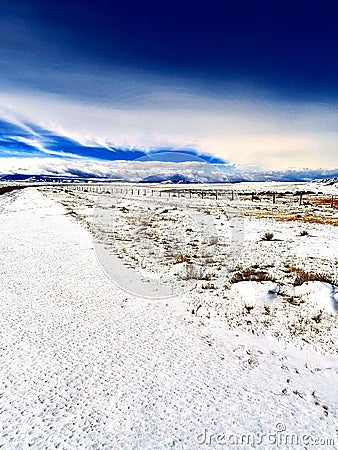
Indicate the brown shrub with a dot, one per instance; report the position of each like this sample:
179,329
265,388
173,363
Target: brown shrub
301,276
251,275
181,258
267,236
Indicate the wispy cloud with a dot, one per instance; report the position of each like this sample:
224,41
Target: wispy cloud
258,132
28,139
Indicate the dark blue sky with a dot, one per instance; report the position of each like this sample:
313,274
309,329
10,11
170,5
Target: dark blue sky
287,46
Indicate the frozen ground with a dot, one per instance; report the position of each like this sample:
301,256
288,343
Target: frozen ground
214,252
86,365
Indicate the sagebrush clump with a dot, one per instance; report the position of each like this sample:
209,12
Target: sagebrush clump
251,274
268,236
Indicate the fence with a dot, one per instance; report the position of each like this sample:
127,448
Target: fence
304,198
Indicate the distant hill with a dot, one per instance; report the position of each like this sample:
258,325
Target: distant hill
327,181
26,178
174,178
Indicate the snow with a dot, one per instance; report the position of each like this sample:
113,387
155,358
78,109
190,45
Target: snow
159,246
85,364
323,296
253,292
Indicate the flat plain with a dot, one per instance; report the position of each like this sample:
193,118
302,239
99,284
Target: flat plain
153,316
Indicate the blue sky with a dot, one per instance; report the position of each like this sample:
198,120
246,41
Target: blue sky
248,83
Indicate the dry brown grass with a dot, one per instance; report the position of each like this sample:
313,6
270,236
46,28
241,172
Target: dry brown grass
301,276
153,234
324,220
251,274
196,273
324,202
213,240
295,217
181,258
145,222
320,213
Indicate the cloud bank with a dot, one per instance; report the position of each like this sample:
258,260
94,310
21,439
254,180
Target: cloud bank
27,148
135,171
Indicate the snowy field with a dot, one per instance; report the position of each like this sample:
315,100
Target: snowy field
159,242
148,321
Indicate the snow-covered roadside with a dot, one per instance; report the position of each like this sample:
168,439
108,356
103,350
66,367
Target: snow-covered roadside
85,365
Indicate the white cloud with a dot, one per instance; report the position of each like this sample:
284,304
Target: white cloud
256,130
128,170
139,170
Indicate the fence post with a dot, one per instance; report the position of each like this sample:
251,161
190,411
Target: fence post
332,201
274,198
300,199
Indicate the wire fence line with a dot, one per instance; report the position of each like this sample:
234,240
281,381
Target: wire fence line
302,198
